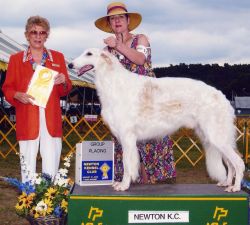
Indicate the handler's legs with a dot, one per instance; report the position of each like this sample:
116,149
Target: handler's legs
29,150
50,148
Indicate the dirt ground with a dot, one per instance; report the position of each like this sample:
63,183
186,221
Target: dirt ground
8,194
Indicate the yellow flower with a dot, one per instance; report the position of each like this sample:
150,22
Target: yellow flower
20,205
51,192
64,205
29,200
34,213
25,200
22,196
48,202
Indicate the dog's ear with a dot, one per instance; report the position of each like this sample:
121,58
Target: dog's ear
106,57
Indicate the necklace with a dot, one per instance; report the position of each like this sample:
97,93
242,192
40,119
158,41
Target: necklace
120,56
34,64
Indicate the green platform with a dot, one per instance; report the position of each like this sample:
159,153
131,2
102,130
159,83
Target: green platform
182,204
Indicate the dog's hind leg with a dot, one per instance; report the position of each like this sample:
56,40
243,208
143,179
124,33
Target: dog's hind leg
230,174
131,162
214,162
221,147
216,168
239,167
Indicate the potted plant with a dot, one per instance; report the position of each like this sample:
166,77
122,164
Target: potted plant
43,199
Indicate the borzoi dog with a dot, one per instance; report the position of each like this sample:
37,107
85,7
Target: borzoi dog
140,108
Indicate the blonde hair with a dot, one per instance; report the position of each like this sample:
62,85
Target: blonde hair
38,21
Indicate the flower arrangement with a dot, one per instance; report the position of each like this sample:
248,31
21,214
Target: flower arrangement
42,195
245,183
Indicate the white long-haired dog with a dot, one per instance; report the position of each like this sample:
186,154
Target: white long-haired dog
139,108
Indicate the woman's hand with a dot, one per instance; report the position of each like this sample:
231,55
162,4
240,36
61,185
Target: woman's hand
60,79
24,98
111,41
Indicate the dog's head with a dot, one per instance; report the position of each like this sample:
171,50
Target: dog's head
89,60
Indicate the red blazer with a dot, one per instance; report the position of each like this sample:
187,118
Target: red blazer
18,76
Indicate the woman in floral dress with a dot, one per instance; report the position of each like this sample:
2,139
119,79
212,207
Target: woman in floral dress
134,53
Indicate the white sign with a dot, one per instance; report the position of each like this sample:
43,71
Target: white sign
158,217
13,118
73,119
94,163
90,118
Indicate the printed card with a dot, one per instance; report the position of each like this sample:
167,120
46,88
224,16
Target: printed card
41,85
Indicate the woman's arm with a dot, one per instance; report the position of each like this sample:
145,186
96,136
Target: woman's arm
133,55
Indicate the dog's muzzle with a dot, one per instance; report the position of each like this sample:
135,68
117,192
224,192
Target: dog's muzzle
82,70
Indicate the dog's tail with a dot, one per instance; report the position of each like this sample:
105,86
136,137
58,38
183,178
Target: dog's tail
214,163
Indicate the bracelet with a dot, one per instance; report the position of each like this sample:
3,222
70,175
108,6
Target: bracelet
143,50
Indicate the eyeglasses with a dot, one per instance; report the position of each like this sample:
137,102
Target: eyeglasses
40,33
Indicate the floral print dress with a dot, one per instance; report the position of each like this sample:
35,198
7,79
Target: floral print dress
156,155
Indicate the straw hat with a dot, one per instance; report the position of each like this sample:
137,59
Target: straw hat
117,8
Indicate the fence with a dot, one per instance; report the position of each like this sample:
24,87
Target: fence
185,143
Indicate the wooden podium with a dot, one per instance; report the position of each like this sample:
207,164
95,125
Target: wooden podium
182,204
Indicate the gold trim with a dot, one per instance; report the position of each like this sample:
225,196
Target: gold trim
82,84
3,66
160,198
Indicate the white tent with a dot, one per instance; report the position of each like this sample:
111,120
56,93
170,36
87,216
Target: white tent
8,46
242,105
242,102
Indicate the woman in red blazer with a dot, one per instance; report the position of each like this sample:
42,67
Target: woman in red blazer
36,125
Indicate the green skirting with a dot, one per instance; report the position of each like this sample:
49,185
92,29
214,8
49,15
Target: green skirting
182,204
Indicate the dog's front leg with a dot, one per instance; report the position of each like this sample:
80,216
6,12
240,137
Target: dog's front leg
131,163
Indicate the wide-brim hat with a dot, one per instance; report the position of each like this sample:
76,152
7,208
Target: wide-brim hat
118,8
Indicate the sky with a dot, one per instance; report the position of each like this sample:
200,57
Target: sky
179,31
